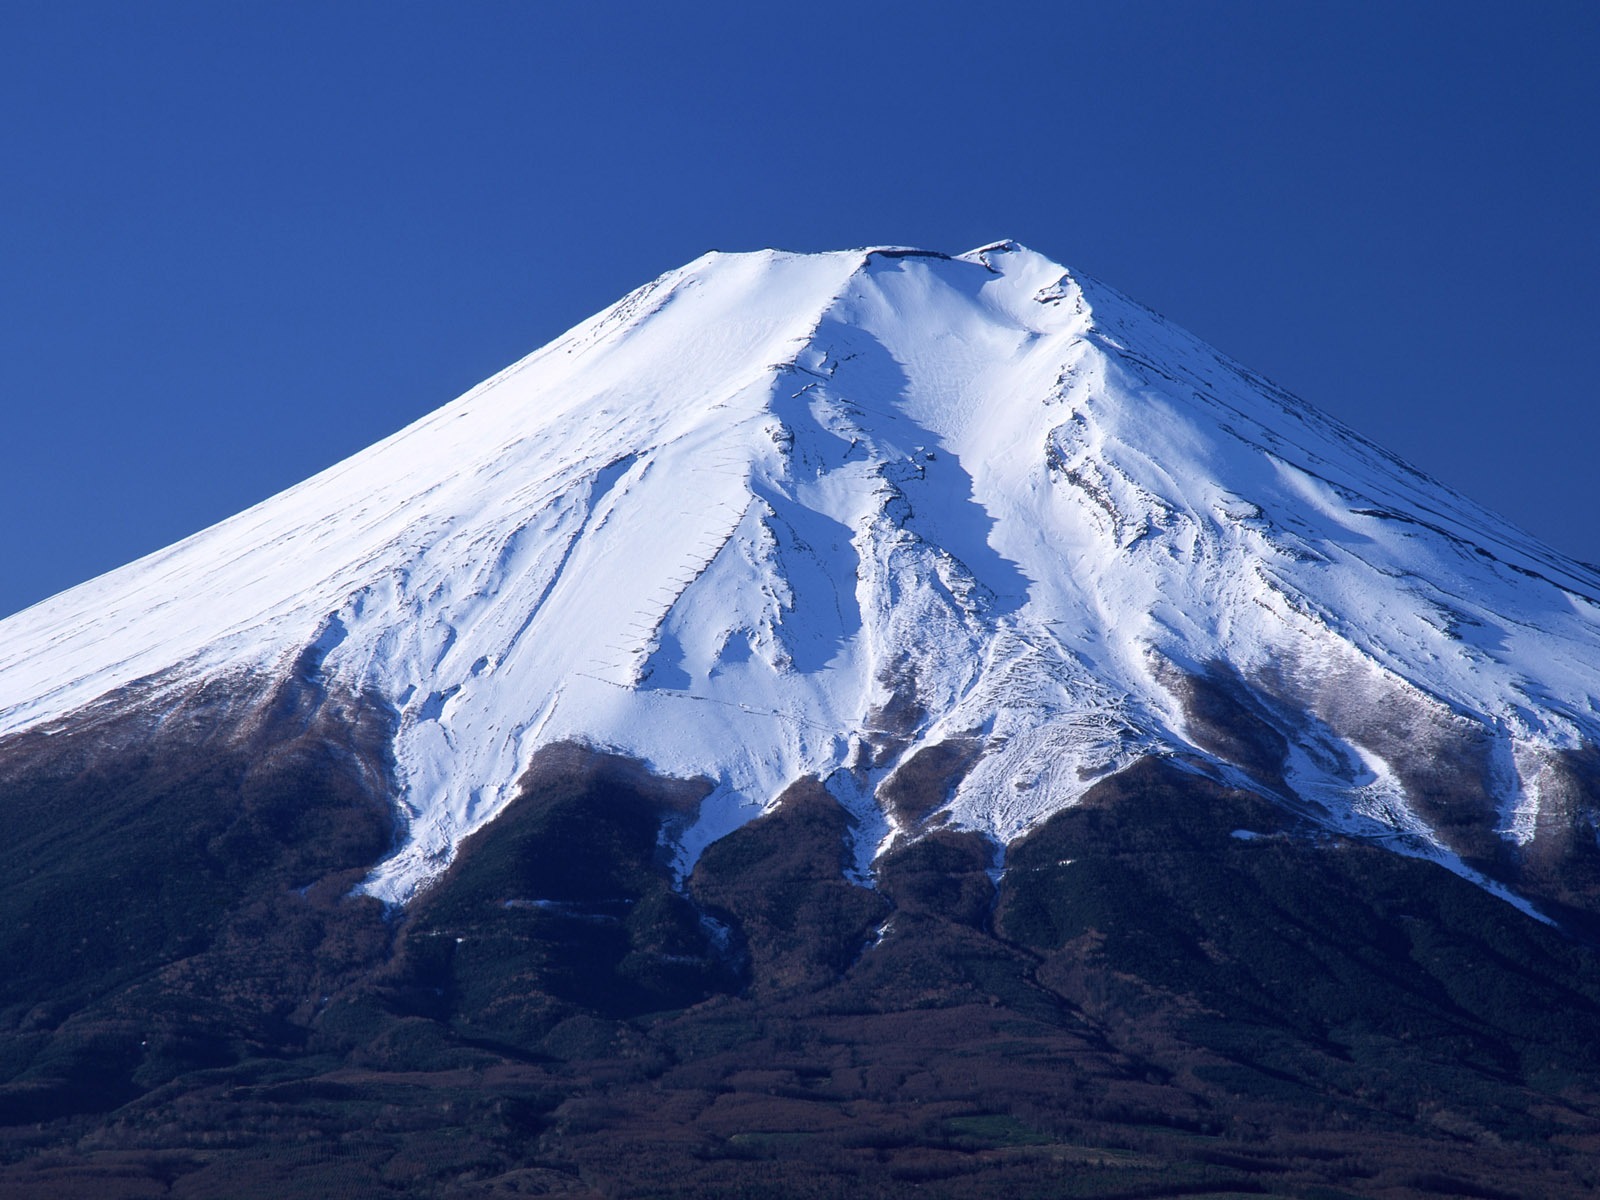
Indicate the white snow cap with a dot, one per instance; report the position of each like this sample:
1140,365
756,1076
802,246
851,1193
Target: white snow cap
776,515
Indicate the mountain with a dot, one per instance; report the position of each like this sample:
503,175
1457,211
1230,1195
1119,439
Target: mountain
881,678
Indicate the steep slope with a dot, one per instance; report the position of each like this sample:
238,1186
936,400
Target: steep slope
956,536
836,724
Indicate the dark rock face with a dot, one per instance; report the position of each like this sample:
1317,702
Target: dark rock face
1176,987
1561,865
927,780
1229,718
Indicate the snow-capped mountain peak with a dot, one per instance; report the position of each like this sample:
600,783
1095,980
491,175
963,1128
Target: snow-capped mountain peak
878,516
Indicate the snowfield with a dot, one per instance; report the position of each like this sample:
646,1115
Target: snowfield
776,515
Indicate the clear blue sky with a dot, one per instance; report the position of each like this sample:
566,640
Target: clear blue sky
243,240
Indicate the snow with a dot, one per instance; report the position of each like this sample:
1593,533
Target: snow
730,523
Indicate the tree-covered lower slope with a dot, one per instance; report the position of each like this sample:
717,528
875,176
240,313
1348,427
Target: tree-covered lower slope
1150,1003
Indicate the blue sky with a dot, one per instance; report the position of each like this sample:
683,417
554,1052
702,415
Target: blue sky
241,241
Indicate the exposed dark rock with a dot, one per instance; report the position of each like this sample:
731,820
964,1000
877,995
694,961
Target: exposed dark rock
1560,866
1231,720
1445,761
927,780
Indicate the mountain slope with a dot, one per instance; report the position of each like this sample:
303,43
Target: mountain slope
831,724
888,516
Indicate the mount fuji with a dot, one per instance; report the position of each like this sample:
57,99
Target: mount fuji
951,593
880,514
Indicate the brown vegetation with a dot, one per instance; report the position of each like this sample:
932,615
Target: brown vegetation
1146,1006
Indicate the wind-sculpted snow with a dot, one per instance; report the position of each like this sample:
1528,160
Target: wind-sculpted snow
776,516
